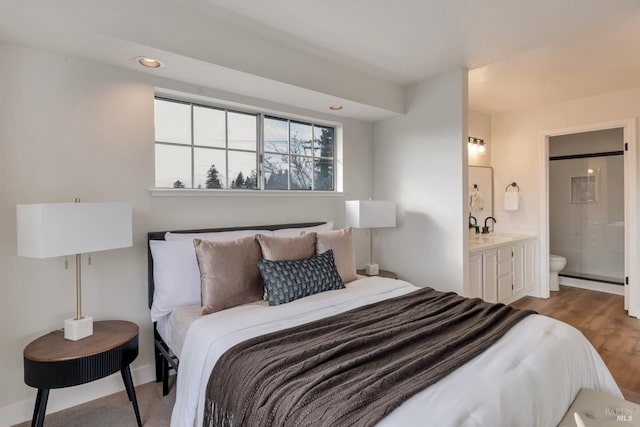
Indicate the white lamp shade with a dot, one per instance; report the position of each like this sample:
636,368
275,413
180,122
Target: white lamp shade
58,229
370,213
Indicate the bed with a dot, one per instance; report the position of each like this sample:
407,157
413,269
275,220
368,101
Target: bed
528,377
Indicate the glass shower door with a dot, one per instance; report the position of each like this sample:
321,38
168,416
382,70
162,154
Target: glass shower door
586,212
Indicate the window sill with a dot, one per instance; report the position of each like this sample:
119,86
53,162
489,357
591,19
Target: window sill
199,192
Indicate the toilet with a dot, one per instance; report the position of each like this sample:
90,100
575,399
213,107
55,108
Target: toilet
556,264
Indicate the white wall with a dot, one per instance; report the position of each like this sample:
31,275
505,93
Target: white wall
69,128
517,156
420,162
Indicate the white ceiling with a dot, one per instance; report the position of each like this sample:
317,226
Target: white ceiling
359,53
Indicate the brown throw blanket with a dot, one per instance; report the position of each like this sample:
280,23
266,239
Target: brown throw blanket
353,368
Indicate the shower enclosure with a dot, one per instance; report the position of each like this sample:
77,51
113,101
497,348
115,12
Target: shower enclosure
586,204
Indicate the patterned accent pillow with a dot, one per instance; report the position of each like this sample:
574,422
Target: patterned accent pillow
286,281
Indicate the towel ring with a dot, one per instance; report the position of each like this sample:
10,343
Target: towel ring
513,184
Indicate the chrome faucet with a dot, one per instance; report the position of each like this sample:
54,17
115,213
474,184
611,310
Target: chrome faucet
485,229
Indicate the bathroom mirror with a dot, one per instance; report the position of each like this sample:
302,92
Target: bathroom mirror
481,192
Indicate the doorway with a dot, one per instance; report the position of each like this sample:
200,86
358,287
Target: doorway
586,208
586,189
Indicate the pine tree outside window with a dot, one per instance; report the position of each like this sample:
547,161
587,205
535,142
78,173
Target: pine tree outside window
204,147
297,155
199,146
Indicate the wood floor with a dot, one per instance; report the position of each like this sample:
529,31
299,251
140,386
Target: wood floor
602,319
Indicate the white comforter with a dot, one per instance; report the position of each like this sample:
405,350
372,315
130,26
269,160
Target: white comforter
528,378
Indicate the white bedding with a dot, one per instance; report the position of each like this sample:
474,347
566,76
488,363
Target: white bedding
164,327
182,318
528,378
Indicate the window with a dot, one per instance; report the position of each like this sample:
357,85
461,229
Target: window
199,146
297,156
205,147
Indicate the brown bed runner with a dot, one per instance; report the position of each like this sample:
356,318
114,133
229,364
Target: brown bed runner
353,368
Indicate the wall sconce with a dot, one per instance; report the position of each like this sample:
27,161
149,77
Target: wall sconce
476,145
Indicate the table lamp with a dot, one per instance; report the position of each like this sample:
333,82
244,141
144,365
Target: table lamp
370,214
61,229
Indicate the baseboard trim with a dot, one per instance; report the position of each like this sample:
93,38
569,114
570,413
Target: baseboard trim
591,285
64,398
635,312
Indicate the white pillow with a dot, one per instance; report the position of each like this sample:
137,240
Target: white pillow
293,232
176,276
215,236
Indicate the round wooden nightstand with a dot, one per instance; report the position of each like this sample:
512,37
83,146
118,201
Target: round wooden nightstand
381,273
52,361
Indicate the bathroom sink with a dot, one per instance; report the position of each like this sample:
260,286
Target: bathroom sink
478,241
488,240
495,239
507,236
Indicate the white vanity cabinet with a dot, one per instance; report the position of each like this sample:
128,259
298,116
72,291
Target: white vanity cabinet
529,264
518,267
475,276
501,269
490,276
523,266
505,273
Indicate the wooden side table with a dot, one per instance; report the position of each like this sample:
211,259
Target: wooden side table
51,361
381,273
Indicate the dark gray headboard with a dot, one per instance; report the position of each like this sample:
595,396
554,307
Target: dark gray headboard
159,235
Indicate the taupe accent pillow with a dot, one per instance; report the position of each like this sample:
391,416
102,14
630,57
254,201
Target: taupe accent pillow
341,242
229,273
275,248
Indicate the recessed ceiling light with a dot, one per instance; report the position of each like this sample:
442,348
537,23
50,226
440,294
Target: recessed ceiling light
336,107
145,61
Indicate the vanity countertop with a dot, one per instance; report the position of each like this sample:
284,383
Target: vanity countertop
481,242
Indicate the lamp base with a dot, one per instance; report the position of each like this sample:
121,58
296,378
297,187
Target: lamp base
372,269
76,329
